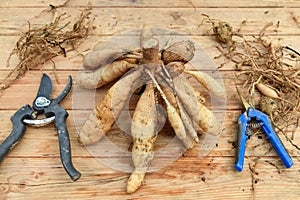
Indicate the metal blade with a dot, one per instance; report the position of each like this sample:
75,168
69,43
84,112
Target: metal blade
65,91
245,103
45,89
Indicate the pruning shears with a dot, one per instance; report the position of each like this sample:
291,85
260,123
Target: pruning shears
50,107
245,123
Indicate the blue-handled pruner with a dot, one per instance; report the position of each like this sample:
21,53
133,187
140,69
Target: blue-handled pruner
244,132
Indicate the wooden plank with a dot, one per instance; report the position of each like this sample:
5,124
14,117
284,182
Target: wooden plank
45,141
115,20
188,178
84,99
33,169
158,4
73,61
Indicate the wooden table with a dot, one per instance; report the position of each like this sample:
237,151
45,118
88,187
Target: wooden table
33,169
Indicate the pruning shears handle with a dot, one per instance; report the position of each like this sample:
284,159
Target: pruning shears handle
18,130
263,120
241,144
272,137
64,140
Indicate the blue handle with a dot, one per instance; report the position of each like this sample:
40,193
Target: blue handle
242,139
272,136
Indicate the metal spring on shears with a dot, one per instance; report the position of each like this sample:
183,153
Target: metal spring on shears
255,125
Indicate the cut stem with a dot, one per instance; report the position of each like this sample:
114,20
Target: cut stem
173,116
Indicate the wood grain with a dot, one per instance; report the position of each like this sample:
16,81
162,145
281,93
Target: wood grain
33,169
187,20
157,3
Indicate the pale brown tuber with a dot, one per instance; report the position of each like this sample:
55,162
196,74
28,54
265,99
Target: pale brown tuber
103,75
143,131
108,110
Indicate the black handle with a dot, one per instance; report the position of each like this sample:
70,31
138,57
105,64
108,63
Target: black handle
241,143
17,132
64,140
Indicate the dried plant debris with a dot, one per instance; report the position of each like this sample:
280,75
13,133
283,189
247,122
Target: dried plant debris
222,30
275,67
267,105
39,45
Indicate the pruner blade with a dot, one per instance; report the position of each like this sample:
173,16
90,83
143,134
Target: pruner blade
42,98
245,103
65,91
45,88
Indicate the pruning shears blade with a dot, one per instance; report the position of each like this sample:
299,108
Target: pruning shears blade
45,88
65,91
42,99
245,103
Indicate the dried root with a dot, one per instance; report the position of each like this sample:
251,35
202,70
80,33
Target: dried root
163,73
208,82
268,105
198,112
108,110
259,57
143,131
191,135
221,29
96,59
267,91
103,75
182,51
39,45
100,57
91,132
173,115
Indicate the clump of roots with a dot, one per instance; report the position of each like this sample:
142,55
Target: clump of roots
39,45
275,67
